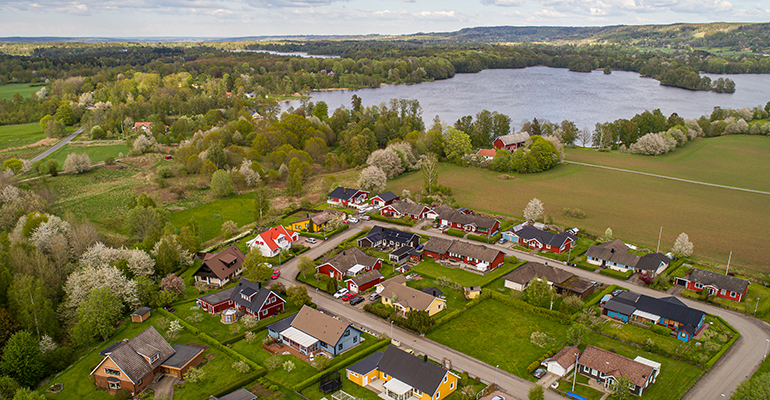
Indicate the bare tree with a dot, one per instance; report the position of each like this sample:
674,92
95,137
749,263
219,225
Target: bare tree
429,167
81,237
585,136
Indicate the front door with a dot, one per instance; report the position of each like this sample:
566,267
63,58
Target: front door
366,380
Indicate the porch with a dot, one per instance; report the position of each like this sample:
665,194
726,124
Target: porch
392,390
281,348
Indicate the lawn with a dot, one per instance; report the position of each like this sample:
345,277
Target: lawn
24,89
95,153
580,389
636,206
210,216
430,268
455,299
20,135
581,247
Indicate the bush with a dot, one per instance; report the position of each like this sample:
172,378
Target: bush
616,274
122,394
661,330
77,163
574,213
221,184
109,161
455,232
165,171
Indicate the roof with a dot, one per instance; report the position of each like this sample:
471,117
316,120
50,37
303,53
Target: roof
652,261
222,264
299,337
343,193
183,354
141,311
619,307
218,297
665,307
566,356
347,259
240,394
378,233
486,152
407,296
518,137
281,325
605,250
438,245
721,281
529,232
270,236
399,279
319,325
366,365
526,272
407,207
367,277
616,365
109,348
458,217
401,251
325,215
258,294
387,196
433,291
576,284
129,355
412,370
477,251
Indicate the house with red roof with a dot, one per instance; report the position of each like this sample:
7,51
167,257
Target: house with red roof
272,241
143,126
487,153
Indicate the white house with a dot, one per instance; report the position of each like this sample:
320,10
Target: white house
562,362
273,240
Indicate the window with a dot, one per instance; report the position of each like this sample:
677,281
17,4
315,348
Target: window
355,339
139,383
698,286
723,291
155,357
347,333
445,378
451,386
264,312
110,371
339,347
733,294
353,373
114,385
438,395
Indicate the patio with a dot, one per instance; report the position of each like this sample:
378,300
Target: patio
397,389
280,348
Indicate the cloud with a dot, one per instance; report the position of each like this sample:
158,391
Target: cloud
503,3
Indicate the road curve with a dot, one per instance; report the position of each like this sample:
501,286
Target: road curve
736,365
58,145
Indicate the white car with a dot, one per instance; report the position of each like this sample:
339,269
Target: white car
366,218
340,293
352,220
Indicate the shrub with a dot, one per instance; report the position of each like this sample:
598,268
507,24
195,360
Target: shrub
76,163
661,330
574,213
221,184
122,394
540,339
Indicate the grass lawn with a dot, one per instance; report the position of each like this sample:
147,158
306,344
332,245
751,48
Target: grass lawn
455,300
95,153
20,135
582,390
581,247
351,388
210,216
24,89
616,274
428,267
612,198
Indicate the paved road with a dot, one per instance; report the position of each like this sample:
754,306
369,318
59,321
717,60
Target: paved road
735,366
57,146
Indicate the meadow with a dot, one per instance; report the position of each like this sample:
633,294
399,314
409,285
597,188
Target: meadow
24,89
20,135
97,153
634,206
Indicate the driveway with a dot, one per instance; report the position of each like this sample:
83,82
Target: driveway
59,145
164,388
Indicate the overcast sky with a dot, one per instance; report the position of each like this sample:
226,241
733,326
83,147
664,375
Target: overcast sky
213,18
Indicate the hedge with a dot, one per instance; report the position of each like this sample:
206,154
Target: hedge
710,363
351,360
492,239
616,274
396,221
353,238
245,380
585,266
536,364
328,234
594,301
660,330
456,232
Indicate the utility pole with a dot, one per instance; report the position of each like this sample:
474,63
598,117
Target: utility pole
574,373
657,249
728,262
755,307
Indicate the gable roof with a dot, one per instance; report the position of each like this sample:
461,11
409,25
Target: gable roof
721,281
576,284
343,193
407,296
412,370
367,277
379,233
438,245
407,207
651,261
130,356
664,307
183,354
518,137
616,365
347,259
141,311
526,272
258,294
605,250
486,152
529,232
319,325
218,297
366,365
270,236
387,196
477,251
458,217
566,356
240,394
223,264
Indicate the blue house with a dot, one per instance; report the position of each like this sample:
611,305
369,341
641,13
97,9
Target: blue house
670,312
311,332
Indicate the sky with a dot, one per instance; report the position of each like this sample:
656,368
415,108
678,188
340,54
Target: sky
235,18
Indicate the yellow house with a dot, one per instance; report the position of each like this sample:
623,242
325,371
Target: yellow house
315,222
399,375
403,298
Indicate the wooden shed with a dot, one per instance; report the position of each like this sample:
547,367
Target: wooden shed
141,314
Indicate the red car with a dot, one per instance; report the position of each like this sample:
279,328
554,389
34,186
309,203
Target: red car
276,274
348,296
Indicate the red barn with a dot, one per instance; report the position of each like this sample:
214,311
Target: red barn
511,142
724,286
350,262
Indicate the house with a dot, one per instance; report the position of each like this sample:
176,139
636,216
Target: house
255,300
403,298
217,302
310,331
346,197
724,286
481,257
379,236
465,220
272,241
670,312
400,255
575,286
315,222
351,262
615,255
403,376
405,208
133,364
520,277
240,394
471,292
607,367
534,238
141,314
488,154
144,127
511,142
384,199
562,362
219,268
360,283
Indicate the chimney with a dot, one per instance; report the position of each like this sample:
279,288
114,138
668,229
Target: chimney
259,285
612,251
425,358
125,340
343,253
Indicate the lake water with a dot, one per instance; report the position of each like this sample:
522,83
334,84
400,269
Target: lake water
555,94
280,53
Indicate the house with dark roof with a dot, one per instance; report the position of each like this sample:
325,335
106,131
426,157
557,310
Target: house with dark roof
480,257
395,293
215,303
403,376
311,331
465,220
724,286
350,262
219,268
382,200
380,236
669,311
519,278
405,208
364,281
255,300
133,364
512,141
272,241
342,196
529,236
607,367
616,255
562,362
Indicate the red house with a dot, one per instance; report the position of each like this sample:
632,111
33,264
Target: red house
511,142
352,262
384,199
528,235
364,281
465,220
215,303
255,300
724,286
481,257
401,208
346,197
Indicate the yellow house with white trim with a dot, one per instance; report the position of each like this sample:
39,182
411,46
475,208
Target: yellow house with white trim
399,375
403,298
314,222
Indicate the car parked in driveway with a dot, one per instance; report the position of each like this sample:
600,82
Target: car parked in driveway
347,296
374,296
276,274
356,300
352,220
502,240
311,240
539,373
341,293
366,218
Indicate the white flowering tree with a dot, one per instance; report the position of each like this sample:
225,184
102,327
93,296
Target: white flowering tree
76,163
682,246
372,179
388,161
252,177
81,282
139,262
534,210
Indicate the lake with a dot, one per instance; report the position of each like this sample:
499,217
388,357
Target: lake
555,94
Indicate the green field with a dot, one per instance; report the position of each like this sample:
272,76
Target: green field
634,206
95,153
20,135
98,195
430,268
210,216
24,89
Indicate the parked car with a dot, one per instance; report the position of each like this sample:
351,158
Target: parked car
311,240
374,296
352,220
366,218
539,373
502,240
498,398
276,274
341,293
348,296
420,247
356,300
